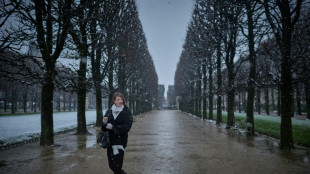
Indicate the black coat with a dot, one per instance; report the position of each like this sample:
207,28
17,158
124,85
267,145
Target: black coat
118,135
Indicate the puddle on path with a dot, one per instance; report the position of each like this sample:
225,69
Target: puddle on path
42,158
164,142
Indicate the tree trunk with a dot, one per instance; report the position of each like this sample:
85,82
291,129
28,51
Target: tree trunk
292,102
307,91
131,98
13,100
70,101
298,99
35,106
64,101
250,104
279,100
81,92
196,100
32,104
25,97
122,76
13,107
44,38
272,99
239,102
47,126
74,104
258,101
244,106
230,100
80,39
286,141
139,107
218,73
58,103
219,109
131,104
283,34
95,58
230,43
110,84
204,107
204,97
5,103
210,68
99,106
252,73
192,100
198,94
223,104
134,111
267,100
230,109
199,98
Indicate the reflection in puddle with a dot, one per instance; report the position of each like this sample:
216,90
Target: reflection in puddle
306,160
48,151
91,140
2,163
271,145
81,142
86,141
67,167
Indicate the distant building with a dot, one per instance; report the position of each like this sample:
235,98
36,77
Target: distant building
161,96
171,97
161,91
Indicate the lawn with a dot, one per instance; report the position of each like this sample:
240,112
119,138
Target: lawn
270,125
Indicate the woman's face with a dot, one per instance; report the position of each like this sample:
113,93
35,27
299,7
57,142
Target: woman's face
118,101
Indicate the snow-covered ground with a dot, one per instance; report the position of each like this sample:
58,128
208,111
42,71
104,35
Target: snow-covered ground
276,119
23,127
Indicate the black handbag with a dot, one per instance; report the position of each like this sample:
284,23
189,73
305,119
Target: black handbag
103,139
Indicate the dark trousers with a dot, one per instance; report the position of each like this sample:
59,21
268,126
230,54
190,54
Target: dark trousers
115,161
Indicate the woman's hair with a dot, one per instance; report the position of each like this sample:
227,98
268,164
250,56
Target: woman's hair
118,94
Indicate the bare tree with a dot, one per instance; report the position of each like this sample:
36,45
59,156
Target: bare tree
231,15
79,32
218,40
254,36
282,16
103,31
300,54
7,10
51,29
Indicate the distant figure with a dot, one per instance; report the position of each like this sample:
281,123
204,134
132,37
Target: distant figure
117,121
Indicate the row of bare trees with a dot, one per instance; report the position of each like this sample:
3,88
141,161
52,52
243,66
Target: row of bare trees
18,98
78,46
234,46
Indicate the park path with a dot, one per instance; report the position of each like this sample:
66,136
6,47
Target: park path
161,142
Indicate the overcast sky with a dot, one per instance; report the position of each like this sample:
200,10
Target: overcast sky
165,23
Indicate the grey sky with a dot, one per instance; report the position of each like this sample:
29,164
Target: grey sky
165,23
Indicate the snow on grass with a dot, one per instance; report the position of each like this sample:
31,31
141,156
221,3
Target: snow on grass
271,125
276,119
25,127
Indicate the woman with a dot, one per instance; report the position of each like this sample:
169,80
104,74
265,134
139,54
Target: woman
117,121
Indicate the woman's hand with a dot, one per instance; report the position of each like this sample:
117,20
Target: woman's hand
105,120
109,126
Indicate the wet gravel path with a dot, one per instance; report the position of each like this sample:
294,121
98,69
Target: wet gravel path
161,142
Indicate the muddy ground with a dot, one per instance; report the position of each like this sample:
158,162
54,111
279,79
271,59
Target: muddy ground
161,142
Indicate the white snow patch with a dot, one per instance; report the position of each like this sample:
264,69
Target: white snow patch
26,127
